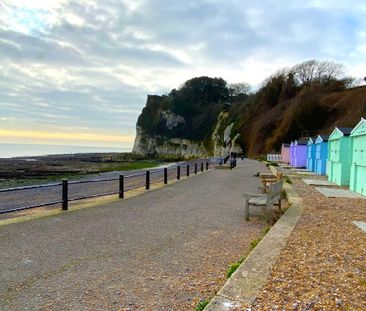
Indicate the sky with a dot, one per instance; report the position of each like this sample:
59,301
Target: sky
78,72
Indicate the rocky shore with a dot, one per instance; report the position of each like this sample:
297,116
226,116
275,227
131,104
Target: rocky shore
15,171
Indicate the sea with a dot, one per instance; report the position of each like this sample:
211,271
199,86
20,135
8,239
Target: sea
10,150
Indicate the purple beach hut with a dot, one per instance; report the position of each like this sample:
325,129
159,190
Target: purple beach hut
300,153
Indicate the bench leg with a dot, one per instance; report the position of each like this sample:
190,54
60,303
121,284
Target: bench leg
279,204
246,205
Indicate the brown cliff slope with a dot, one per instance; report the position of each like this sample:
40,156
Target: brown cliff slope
311,111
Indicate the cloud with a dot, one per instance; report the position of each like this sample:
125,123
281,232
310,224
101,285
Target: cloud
90,64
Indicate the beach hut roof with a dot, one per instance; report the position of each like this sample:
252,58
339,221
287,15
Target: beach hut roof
301,142
311,140
346,131
323,138
363,121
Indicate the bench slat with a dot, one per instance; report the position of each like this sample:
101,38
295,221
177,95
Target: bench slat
272,197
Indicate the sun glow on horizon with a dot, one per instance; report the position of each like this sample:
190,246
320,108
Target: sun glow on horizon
41,137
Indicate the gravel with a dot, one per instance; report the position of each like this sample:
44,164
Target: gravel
323,266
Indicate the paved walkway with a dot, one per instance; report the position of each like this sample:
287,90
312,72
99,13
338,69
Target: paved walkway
162,250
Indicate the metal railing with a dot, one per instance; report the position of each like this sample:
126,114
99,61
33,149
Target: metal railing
28,197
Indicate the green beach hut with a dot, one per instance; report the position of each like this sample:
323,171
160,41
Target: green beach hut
340,156
358,168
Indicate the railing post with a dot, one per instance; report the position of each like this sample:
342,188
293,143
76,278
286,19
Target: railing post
246,207
201,167
165,175
178,172
187,170
195,168
147,185
207,165
121,186
65,195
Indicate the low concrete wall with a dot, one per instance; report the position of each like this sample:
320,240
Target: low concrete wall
249,279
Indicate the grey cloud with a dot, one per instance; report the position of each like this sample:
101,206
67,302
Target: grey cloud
23,48
116,42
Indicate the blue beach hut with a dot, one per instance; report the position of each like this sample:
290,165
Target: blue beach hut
321,154
310,157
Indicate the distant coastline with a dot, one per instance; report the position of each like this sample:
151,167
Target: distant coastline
12,150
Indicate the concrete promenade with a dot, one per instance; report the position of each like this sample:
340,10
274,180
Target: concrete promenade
158,251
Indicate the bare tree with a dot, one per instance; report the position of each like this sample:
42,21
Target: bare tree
236,89
317,71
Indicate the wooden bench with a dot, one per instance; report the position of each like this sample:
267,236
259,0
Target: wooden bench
268,178
273,196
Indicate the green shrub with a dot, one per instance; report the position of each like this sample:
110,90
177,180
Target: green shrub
201,305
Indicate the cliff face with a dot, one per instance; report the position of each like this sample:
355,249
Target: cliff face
167,148
187,123
201,119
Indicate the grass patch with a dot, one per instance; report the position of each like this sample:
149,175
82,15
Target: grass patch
262,158
201,305
265,230
288,180
233,267
128,166
284,194
256,241
22,182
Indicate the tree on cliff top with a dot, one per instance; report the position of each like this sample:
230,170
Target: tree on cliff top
240,88
197,94
313,71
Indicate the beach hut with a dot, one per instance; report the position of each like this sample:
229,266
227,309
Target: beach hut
300,152
292,153
285,153
310,156
321,154
339,156
358,167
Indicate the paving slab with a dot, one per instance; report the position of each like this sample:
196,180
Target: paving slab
318,182
305,173
339,193
361,225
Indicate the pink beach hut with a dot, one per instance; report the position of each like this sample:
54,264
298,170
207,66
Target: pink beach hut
292,145
285,153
